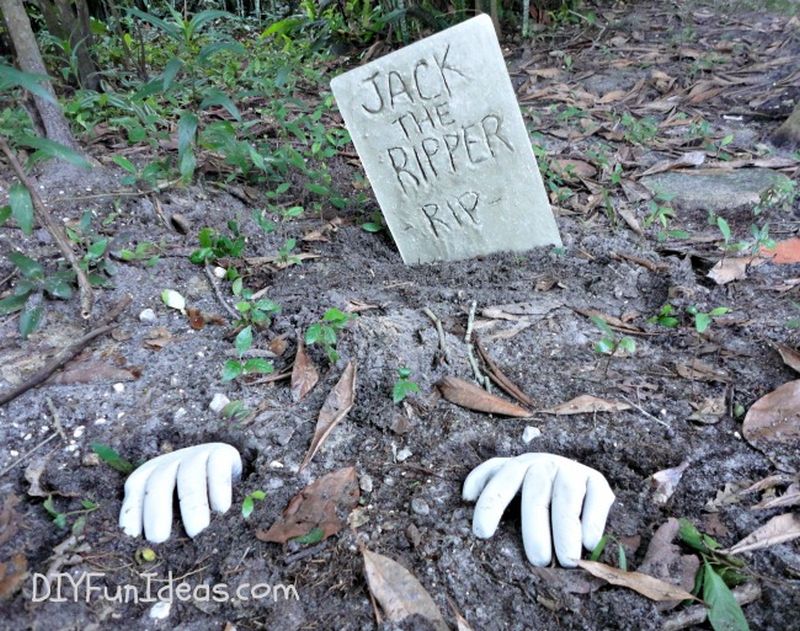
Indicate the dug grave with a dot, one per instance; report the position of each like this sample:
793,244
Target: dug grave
439,131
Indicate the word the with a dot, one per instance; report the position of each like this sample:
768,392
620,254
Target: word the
89,586
427,81
470,145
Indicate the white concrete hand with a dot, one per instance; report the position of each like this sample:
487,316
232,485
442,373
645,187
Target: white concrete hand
203,473
556,491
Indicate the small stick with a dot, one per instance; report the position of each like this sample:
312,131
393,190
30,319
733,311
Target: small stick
218,293
67,353
697,614
645,412
55,229
479,376
440,331
28,454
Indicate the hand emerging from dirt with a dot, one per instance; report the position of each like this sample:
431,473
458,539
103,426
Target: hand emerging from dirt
204,474
555,490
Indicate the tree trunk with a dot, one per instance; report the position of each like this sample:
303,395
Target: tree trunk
67,23
789,132
29,59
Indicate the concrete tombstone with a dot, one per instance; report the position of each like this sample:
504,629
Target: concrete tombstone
439,131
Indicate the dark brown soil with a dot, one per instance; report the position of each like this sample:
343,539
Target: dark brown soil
490,582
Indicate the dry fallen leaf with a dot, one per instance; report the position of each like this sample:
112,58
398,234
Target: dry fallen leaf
500,378
335,408
586,404
304,372
698,370
646,585
665,560
398,591
92,371
690,159
12,575
775,416
709,411
777,530
323,504
785,252
666,481
790,498
730,269
9,518
468,395
157,338
790,356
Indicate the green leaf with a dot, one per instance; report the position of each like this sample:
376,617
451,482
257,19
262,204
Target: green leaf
59,286
718,311
231,369
371,226
402,389
202,18
206,237
628,344
33,83
244,340
258,365
690,535
313,334
404,373
88,504
724,228
112,458
209,50
604,346
52,149
247,507
171,70
27,266
168,29
622,559
13,303
267,305
5,213
702,321
30,317
97,249
21,207
724,613
601,324
60,520
126,164
598,549
258,495
315,535
187,130
336,317
217,97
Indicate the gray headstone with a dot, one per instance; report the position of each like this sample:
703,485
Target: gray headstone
439,131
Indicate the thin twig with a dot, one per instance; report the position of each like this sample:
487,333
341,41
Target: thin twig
218,293
440,331
645,412
28,454
697,614
54,228
67,353
479,376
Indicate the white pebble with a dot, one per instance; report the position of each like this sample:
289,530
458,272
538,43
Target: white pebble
160,611
404,454
366,484
220,272
179,414
13,453
218,402
119,387
78,431
529,433
100,421
276,464
147,315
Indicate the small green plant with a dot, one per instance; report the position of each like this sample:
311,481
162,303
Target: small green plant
611,342
235,411
249,502
326,330
214,245
257,312
403,387
639,131
660,210
375,223
780,195
28,294
60,519
234,368
111,457
143,251
718,572
622,559
94,262
703,319
666,317
285,256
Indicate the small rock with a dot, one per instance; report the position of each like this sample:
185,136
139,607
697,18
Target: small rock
404,454
218,402
274,483
119,388
160,611
420,506
365,482
220,272
413,535
275,464
147,315
179,414
78,431
90,460
529,433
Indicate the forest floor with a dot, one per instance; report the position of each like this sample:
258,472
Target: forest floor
648,84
